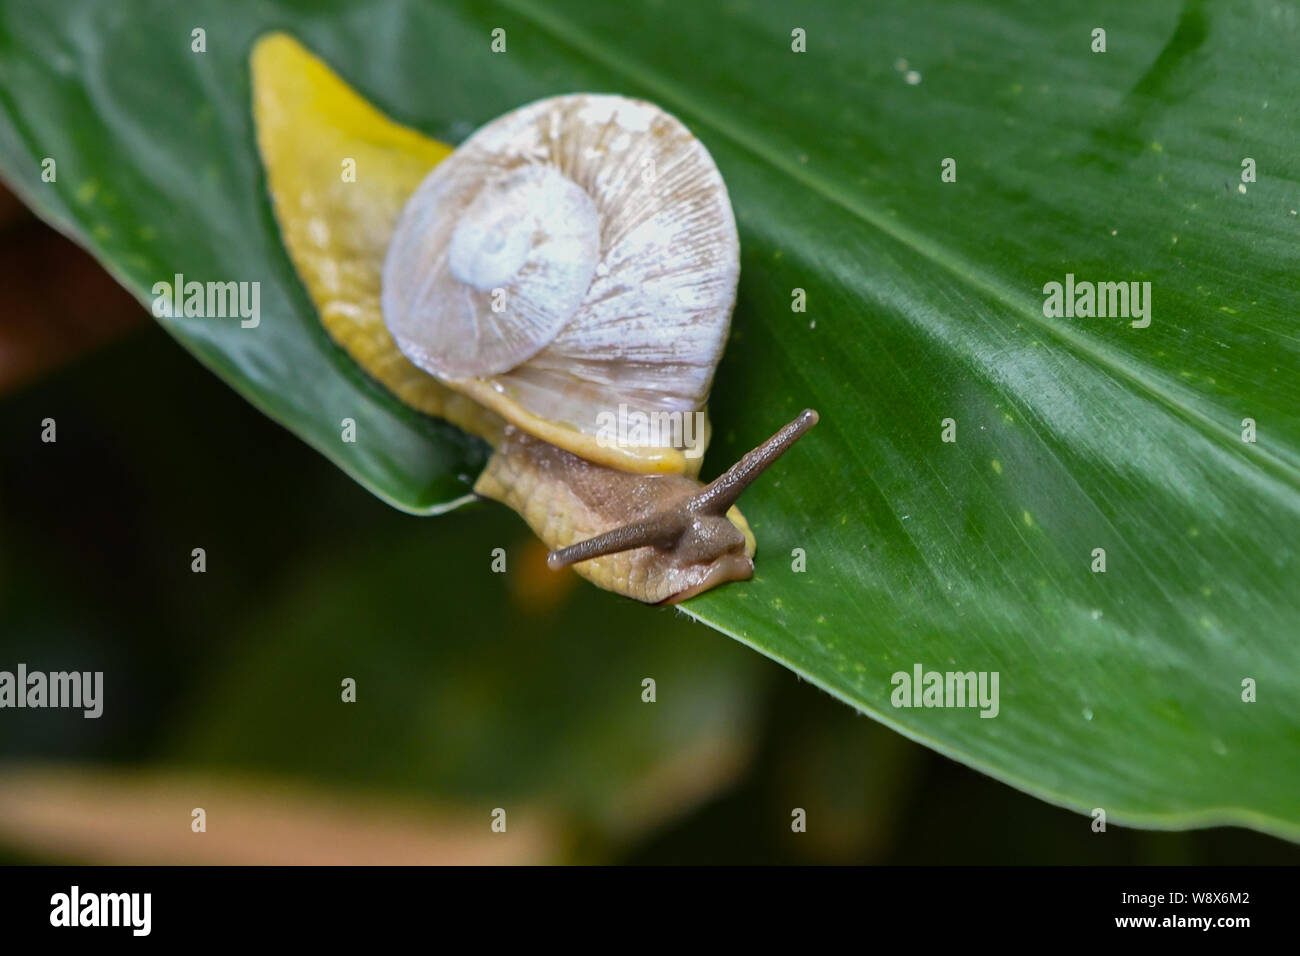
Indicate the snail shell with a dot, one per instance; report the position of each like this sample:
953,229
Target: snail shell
573,256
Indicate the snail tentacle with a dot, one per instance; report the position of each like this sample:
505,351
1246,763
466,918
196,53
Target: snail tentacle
660,530
721,493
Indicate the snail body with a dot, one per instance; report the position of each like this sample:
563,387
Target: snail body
577,256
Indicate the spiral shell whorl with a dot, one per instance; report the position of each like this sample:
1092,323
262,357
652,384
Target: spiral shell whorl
502,277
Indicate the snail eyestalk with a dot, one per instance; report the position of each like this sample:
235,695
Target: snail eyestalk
696,527
721,493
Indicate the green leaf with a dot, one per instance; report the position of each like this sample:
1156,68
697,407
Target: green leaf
1119,690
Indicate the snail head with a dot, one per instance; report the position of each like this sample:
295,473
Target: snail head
694,531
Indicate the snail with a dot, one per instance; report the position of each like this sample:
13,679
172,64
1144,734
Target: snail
572,259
